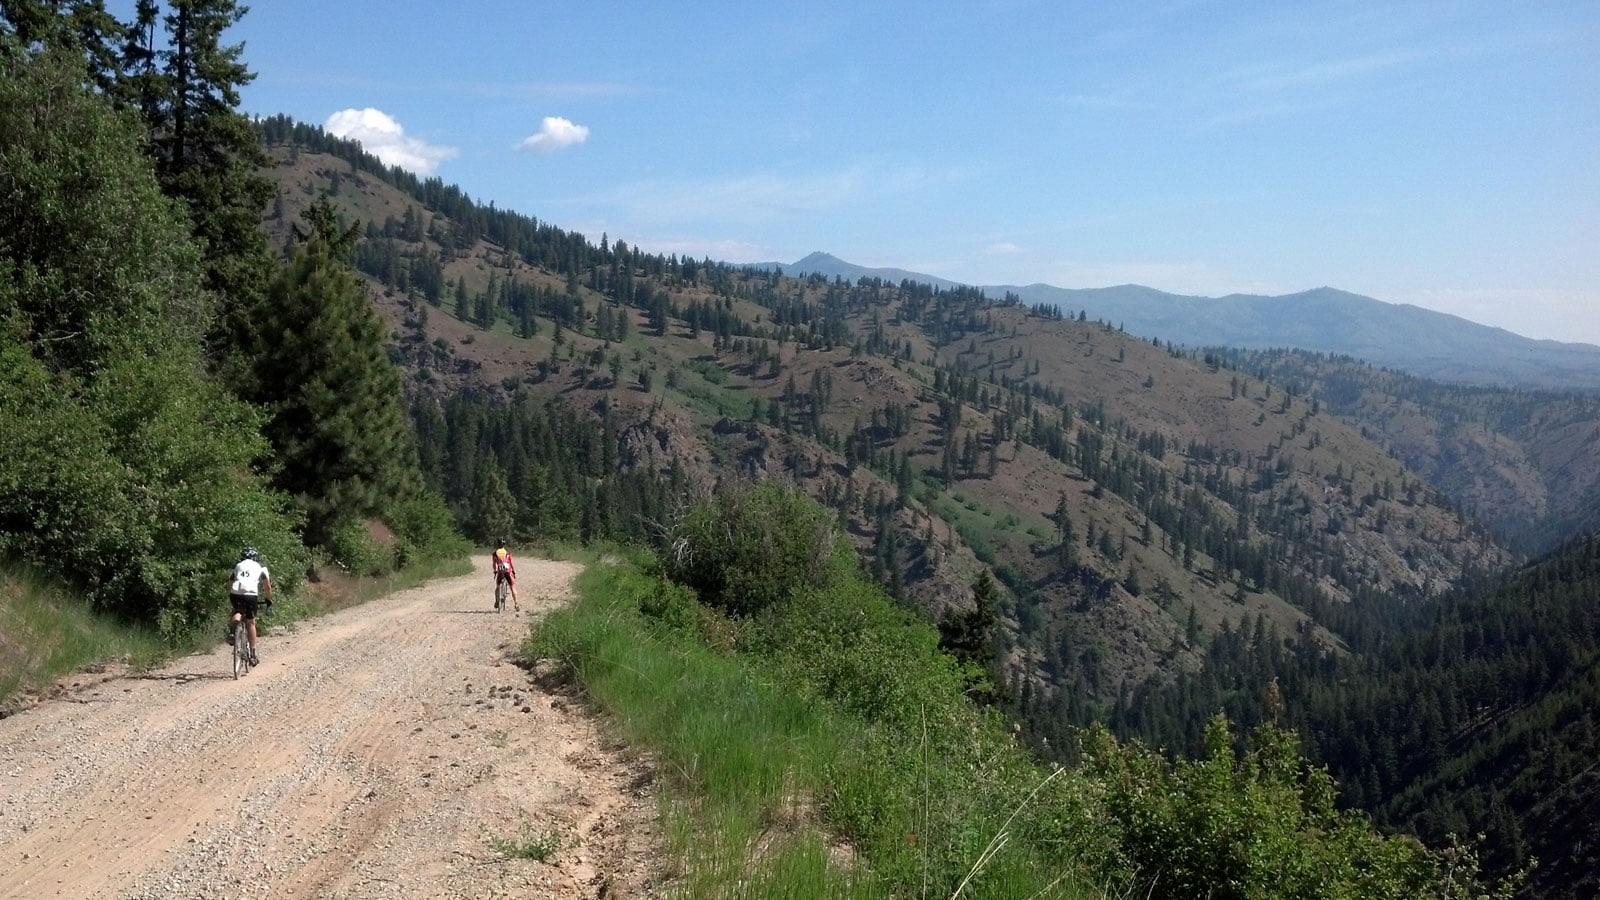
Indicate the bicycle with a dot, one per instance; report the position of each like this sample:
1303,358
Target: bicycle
241,649
243,658
502,590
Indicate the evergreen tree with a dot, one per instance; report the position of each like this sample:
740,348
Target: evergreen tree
319,366
967,635
206,152
493,507
80,28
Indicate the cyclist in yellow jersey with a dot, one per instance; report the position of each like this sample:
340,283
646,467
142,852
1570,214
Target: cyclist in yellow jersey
505,568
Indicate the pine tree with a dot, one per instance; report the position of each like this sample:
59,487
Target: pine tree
81,28
493,507
318,364
206,152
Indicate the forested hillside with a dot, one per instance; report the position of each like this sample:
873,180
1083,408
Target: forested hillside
154,417
1474,714
1150,516
213,334
1503,688
1425,343
1524,461
1131,498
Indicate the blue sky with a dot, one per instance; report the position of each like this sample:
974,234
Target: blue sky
1443,154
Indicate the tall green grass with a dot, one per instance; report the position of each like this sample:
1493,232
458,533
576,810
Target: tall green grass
776,789
46,634
735,749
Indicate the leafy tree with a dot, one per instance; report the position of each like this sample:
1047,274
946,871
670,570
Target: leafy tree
122,466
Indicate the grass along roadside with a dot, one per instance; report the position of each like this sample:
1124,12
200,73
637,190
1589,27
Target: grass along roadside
729,746
46,634
776,790
819,744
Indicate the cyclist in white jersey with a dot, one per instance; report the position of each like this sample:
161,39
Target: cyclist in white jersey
244,589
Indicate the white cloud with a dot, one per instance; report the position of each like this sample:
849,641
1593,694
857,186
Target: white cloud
379,134
554,134
1003,248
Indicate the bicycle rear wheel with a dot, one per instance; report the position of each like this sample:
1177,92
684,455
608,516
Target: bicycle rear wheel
241,650
501,588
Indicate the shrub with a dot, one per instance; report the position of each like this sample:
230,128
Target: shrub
1263,824
352,546
751,547
425,528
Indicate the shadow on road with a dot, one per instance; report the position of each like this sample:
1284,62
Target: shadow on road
184,677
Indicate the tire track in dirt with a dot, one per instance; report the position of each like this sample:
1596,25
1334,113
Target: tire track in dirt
383,751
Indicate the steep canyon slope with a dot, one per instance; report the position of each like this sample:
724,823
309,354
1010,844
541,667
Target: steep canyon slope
1132,498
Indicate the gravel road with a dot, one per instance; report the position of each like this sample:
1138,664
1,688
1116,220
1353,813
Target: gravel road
389,750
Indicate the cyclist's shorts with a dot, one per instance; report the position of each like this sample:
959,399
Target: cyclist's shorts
244,604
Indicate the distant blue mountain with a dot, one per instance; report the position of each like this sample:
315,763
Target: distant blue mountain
1400,336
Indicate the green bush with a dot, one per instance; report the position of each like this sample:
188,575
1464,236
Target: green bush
1260,825
426,529
139,492
752,547
352,547
846,643
123,467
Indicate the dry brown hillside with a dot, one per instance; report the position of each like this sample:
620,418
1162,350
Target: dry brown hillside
949,429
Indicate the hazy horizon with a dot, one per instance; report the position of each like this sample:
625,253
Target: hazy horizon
1440,155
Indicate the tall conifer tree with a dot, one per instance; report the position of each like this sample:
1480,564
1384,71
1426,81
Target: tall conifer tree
319,365
206,152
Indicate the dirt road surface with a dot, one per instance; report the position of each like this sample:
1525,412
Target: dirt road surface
389,750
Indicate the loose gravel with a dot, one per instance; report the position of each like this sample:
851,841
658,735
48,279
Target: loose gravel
394,749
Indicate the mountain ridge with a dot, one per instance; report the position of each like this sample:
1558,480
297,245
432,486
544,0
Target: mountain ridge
1149,513
981,427
1401,336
